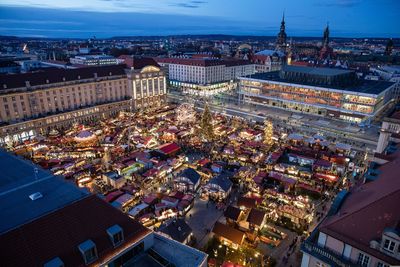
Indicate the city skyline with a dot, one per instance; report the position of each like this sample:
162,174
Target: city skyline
74,19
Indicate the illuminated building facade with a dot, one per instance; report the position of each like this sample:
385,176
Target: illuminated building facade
205,76
94,60
32,103
146,81
327,92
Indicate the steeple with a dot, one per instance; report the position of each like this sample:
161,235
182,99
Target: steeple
325,41
281,38
326,51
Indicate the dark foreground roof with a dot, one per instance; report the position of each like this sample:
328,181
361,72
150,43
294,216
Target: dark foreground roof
55,75
58,234
18,181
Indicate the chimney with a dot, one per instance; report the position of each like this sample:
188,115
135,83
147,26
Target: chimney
27,84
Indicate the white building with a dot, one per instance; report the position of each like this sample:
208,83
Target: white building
391,74
205,76
94,60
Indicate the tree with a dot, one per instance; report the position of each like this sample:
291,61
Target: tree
207,129
268,132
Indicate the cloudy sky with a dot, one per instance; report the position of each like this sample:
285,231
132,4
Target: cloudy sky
107,18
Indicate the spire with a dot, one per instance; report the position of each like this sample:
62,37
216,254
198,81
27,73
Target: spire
281,40
325,41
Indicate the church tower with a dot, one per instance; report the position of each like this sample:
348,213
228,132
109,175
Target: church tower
326,51
281,39
325,41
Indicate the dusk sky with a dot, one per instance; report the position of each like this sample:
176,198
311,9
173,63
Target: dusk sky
107,18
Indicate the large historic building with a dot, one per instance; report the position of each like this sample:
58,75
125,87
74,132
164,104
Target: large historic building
37,101
333,93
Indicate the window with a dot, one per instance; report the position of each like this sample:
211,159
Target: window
116,234
320,264
56,262
88,251
381,264
363,259
389,245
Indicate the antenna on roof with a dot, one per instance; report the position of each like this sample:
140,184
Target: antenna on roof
35,172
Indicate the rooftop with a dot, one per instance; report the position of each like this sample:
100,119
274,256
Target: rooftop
59,233
19,182
138,62
177,229
316,71
203,62
232,234
55,75
368,210
361,86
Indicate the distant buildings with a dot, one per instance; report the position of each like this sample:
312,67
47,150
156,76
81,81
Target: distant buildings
47,221
94,60
323,91
205,76
268,60
362,227
7,66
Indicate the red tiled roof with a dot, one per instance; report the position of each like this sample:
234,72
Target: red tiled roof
59,233
138,62
169,148
368,210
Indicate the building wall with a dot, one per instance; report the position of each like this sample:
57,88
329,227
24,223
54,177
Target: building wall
33,102
346,105
147,88
339,249
32,110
